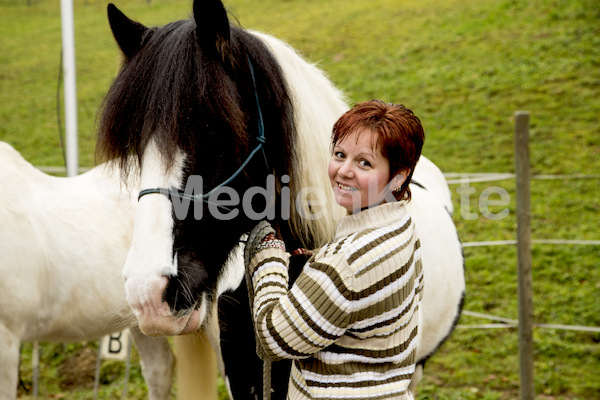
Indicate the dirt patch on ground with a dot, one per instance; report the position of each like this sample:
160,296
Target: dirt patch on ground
79,370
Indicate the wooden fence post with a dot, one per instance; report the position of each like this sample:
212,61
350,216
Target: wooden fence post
527,391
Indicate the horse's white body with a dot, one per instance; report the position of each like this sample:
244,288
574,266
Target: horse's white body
317,105
63,243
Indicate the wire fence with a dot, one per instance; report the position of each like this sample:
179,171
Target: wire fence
501,322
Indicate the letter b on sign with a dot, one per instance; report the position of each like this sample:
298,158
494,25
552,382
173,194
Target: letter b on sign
115,346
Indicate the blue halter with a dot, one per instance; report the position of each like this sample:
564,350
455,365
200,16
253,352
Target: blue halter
261,141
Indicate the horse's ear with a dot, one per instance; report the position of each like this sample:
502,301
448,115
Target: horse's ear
127,33
212,24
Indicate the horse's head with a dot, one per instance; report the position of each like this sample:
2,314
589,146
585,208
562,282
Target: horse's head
237,117
188,107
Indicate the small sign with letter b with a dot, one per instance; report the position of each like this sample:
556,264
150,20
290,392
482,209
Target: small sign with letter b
115,345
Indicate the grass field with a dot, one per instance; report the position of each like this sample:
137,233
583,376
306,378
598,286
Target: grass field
464,67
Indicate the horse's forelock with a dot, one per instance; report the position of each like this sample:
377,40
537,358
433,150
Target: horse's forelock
163,93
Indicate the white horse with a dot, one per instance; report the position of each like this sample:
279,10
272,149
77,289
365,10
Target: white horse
203,106
63,243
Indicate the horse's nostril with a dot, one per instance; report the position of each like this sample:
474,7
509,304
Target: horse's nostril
180,295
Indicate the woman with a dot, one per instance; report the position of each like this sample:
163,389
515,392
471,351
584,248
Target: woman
350,320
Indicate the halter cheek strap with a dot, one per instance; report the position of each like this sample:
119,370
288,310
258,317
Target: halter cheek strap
204,197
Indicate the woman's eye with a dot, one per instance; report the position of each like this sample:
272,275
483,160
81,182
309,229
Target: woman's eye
339,154
364,163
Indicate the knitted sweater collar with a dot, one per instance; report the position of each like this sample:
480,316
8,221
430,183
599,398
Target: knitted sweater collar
375,217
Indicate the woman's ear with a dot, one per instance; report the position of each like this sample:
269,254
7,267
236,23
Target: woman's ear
399,179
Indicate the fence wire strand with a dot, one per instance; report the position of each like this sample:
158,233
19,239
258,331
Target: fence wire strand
513,323
456,178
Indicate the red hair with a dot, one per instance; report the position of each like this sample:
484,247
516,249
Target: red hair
400,135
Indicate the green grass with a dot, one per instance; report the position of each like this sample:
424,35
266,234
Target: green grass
464,67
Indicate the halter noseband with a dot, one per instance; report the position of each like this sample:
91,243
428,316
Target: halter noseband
204,197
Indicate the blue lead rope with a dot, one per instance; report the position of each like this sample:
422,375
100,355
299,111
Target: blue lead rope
261,125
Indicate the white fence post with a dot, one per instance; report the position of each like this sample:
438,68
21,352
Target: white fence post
68,53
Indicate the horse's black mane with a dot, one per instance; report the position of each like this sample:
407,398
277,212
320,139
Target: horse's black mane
178,93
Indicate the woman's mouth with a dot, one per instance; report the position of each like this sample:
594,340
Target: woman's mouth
345,187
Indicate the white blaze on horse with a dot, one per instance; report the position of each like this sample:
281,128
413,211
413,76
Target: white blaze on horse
63,243
226,126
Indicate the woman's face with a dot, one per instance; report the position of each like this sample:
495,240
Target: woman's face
359,173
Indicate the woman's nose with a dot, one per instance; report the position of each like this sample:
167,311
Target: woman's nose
346,170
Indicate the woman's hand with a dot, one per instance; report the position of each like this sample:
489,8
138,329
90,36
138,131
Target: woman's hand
261,237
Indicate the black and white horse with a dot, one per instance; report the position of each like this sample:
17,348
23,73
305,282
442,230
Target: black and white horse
63,243
240,119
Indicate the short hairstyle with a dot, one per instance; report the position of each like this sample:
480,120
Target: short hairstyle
400,135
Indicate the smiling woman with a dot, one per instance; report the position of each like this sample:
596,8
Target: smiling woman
394,145
350,320
359,173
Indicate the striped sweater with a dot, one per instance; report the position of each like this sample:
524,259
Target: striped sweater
350,319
